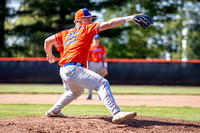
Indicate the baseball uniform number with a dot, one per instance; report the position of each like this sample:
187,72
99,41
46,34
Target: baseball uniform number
71,39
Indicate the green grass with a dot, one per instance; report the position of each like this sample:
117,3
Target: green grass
17,110
156,90
31,88
116,89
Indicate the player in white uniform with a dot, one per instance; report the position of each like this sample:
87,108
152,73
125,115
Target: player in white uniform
96,58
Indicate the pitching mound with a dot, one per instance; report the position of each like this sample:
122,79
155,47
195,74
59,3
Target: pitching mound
100,124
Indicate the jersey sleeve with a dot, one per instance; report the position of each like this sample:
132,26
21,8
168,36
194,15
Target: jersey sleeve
60,48
93,28
58,37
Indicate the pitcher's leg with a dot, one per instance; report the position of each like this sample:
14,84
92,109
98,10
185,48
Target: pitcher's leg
90,79
106,96
67,98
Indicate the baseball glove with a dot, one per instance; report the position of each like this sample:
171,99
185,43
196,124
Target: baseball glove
103,72
143,20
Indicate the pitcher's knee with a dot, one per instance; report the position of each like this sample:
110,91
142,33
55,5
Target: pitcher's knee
107,82
103,84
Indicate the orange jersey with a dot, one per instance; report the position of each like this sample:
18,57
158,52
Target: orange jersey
96,53
60,49
76,43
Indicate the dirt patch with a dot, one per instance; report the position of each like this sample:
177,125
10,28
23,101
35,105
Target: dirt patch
100,124
121,100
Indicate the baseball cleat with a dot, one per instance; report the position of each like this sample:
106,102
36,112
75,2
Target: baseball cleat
52,114
120,116
89,97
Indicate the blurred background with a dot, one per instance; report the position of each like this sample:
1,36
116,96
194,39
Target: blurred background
25,24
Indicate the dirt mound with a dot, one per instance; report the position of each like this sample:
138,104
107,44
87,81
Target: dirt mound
100,124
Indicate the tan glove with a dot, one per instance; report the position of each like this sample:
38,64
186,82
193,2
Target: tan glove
103,72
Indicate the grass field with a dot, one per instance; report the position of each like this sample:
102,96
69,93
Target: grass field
17,110
116,89
183,113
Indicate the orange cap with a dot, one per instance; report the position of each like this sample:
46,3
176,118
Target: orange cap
83,13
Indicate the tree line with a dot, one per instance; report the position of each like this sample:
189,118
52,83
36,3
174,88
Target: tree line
175,33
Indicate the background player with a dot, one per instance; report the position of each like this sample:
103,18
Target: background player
76,43
96,58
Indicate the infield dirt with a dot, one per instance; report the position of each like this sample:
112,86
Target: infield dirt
96,124
121,100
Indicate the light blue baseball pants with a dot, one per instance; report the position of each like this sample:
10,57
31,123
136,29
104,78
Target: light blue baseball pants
75,79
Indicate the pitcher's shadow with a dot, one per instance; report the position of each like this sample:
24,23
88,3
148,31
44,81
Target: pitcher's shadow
145,123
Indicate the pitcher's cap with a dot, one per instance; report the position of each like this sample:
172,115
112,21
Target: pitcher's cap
96,36
83,13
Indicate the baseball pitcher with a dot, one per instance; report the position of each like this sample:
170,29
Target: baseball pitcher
76,43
